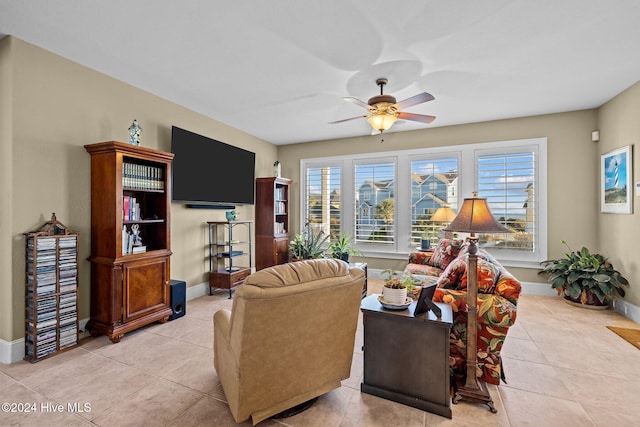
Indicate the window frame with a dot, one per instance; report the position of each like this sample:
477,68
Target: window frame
468,181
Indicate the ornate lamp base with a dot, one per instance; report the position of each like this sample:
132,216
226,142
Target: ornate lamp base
472,394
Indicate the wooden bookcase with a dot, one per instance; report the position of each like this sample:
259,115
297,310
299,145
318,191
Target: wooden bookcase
229,254
272,221
130,189
51,306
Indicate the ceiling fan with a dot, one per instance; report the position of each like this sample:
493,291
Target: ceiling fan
384,110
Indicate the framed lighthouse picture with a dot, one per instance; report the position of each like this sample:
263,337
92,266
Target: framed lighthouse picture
616,192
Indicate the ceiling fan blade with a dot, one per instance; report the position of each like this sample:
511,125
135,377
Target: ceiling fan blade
416,117
357,101
346,120
414,100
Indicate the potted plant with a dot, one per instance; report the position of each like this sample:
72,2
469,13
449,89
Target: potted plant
308,243
585,278
397,286
342,248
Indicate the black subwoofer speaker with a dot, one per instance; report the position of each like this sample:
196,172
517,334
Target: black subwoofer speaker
178,299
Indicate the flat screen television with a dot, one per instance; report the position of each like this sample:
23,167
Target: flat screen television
209,173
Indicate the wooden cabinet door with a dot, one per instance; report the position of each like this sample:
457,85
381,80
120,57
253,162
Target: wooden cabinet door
146,287
281,247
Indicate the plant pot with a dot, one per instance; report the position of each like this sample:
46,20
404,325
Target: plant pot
344,256
592,301
394,296
425,244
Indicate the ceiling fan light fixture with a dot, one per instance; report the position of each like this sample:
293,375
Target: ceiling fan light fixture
381,121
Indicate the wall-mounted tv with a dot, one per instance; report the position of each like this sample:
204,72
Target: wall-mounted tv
207,172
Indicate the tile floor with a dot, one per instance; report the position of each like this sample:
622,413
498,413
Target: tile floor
564,368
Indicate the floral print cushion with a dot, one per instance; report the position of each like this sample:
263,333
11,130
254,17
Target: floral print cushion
487,276
446,251
422,258
452,275
423,270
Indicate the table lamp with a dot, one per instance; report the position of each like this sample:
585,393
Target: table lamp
474,217
444,214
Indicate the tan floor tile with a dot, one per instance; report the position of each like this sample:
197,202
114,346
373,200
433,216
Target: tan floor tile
365,410
357,370
150,352
589,388
211,412
535,377
40,410
535,409
604,415
522,349
328,410
198,374
6,381
473,412
518,331
23,369
114,383
179,327
59,379
157,404
580,358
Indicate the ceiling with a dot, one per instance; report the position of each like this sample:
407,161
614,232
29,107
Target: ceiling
278,69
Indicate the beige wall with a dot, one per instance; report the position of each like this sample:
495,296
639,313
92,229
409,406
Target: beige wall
572,169
59,106
6,264
619,126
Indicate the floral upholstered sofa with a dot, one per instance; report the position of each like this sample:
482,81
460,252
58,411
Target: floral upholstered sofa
498,293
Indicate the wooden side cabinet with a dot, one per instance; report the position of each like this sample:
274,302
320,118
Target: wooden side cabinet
272,221
406,358
130,237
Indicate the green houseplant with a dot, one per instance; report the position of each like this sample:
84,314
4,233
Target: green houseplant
308,243
584,278
342,248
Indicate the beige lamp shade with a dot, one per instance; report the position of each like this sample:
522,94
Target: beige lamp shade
475,217
443,214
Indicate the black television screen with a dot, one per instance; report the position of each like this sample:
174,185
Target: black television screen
210,172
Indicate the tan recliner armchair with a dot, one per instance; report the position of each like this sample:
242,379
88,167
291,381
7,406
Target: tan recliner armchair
289,336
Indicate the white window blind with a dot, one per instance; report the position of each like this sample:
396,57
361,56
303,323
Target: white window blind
507,181
374,208
322,199
434,184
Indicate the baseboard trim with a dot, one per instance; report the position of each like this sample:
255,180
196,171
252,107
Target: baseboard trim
11,351
628,310
197,291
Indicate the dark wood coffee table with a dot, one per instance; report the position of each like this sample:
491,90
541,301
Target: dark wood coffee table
406,358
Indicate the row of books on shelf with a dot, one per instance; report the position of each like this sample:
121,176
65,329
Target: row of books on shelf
280,208
279,228
142,177
130,209
279,193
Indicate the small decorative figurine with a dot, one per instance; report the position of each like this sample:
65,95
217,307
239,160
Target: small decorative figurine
135,133
137,240
277,169
232,215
